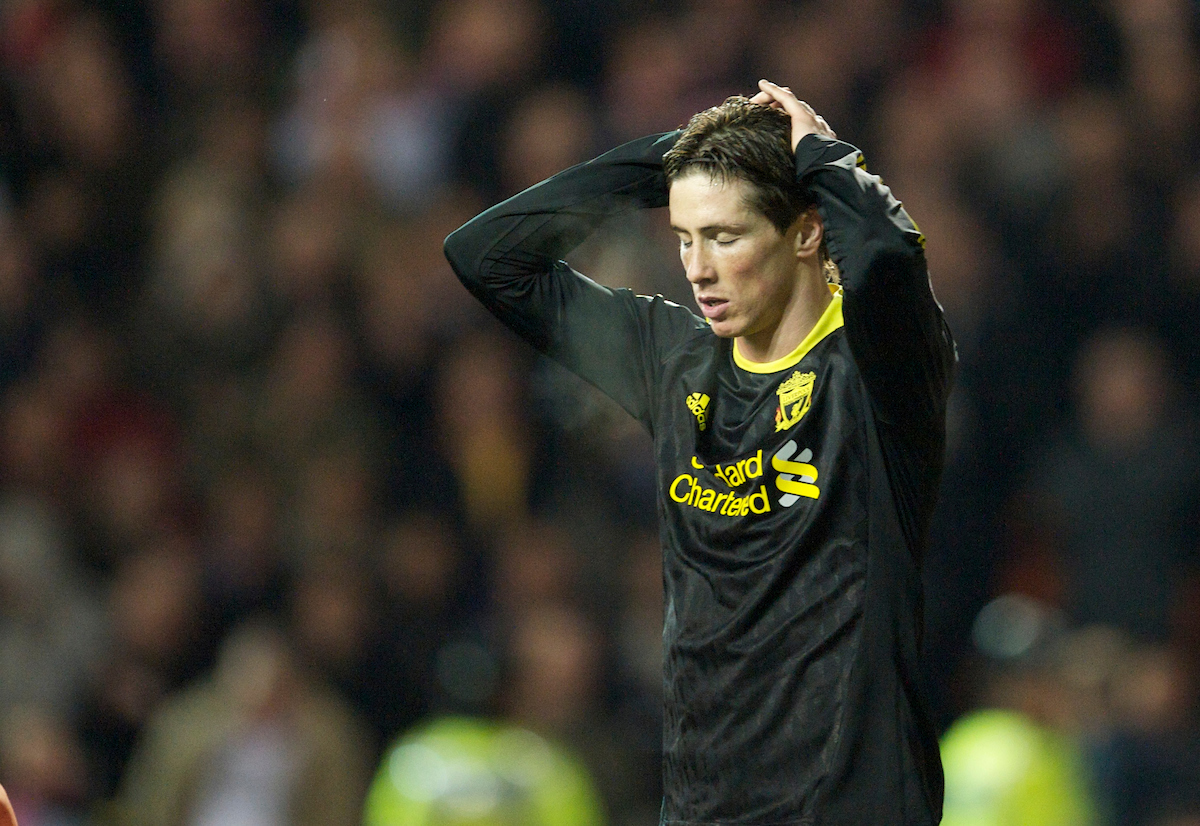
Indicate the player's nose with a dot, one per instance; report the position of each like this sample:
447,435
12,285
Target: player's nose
697,268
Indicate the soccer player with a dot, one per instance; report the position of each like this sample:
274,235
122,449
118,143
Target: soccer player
798,425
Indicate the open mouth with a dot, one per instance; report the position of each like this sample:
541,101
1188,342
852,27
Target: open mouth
711,307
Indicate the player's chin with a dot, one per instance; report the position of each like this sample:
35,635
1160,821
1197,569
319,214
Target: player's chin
725,329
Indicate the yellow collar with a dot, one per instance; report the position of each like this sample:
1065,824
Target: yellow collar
829,321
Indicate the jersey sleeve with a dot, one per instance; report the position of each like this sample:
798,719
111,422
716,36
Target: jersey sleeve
894,324
509,258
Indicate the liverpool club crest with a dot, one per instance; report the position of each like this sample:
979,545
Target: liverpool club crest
795,397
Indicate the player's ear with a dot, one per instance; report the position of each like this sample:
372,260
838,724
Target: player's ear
810,233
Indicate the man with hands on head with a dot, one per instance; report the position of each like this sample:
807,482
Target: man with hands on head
798,425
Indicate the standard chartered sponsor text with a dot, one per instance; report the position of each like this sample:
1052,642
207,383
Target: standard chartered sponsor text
688,489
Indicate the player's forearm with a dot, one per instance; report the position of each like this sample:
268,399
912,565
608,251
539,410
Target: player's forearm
525,235
509,257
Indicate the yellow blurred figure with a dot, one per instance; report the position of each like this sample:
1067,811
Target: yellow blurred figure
459,771
1003,769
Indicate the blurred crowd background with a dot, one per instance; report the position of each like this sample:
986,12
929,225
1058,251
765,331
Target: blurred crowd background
273,490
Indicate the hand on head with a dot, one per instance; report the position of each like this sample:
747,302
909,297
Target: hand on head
805,121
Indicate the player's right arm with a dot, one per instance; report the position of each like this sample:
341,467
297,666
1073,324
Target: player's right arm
509,257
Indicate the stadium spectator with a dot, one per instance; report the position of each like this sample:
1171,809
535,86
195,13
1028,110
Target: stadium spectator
1018,756
1117,487
255,741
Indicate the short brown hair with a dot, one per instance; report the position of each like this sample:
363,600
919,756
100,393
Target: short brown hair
750,141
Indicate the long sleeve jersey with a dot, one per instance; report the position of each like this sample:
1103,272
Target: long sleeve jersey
794,497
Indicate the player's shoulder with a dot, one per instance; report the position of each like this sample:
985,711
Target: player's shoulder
669,329
665,315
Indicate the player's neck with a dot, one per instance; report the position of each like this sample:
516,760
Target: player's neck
808,304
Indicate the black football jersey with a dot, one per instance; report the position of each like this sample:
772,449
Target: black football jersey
794,497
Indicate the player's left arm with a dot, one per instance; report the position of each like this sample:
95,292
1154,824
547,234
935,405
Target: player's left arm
894,323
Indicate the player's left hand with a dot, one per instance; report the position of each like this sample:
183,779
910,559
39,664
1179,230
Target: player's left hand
805,121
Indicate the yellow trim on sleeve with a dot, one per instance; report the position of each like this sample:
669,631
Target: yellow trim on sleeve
829,321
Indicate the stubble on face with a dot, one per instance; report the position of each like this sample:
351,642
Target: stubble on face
742,270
